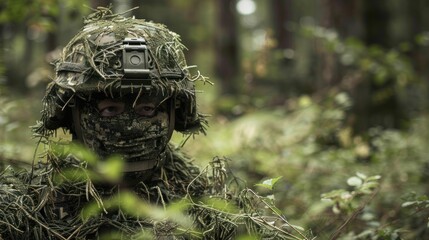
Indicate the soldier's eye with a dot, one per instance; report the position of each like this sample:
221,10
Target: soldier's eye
145,109
110,108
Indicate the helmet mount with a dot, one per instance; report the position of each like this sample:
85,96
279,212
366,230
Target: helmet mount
136,60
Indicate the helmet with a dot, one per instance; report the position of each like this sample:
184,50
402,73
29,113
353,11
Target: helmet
116,55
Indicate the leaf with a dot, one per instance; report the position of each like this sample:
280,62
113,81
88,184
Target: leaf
422,198
361,175
373,178
90,210
370,185
354,181
334,194
83,153
270,197
269,183
346,196
276,210
407,204
335,209
111,169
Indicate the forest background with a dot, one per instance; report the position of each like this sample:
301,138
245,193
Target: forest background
324,102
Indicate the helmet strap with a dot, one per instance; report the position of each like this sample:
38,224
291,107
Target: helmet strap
77,129
172,116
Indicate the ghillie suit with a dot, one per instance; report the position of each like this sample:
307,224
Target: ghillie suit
122,58
30,208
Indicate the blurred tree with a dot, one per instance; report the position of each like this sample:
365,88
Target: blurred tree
12,14
281,15
30,30
376,18
375,95
226,47
415,41
370,112
343,16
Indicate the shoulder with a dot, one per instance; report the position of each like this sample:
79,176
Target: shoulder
180,159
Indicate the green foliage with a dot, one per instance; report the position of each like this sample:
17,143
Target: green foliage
40,14
372,63
109,170
300,152
269,183
7,123
129,203
309,144
422,39
11,128
419,204
342,200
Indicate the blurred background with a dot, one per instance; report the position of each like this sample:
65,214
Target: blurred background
322,93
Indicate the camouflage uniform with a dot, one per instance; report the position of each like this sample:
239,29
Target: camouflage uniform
126,59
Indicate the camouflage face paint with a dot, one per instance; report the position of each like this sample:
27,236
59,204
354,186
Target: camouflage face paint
128,134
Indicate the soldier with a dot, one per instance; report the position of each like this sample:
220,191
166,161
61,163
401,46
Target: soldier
122,87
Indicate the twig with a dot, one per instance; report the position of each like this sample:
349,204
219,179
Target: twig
11,225
279,215
337,233
41,224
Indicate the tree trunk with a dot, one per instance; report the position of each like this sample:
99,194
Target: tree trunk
17,66
343,16
226,47
376,19
369,112
281,15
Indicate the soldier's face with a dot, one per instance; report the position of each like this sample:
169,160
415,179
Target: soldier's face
135,127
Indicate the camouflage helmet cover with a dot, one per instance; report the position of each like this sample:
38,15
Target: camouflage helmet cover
116,55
